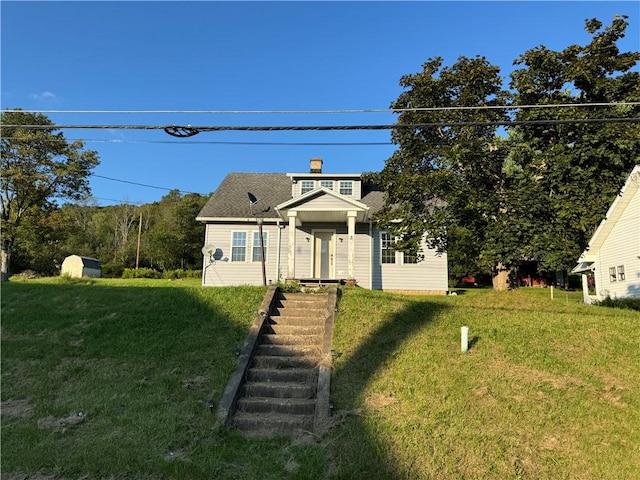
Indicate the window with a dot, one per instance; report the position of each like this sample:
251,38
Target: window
327,184
306,186
346,188
410,258
256,255
387,254
612,274
238,246
621,272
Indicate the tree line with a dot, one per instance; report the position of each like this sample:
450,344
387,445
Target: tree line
163,235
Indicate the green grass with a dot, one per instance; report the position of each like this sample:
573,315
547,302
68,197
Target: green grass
550,389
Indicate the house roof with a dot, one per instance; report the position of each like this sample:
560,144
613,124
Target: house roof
231,199
631,186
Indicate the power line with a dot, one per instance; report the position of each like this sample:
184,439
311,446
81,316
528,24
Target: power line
338,111
143,184
189,130
204,142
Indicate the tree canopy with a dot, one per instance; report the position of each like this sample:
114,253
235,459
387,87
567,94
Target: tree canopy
37,167
530,191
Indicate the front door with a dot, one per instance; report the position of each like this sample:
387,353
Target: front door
323,256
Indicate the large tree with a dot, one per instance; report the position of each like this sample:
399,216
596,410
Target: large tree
576,169
523,196
38,166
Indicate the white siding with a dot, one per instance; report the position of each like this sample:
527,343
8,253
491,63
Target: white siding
223,271
324,202
621,247
428,275
363,256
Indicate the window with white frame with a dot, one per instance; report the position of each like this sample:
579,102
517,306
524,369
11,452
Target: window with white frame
612,274
238,246
327,184
621,276
256,255
306,186
346,187
387,254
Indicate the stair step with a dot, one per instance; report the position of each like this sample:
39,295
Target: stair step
279,390
282,329
292,406
280,362
300,311
275,339
296,320
260,424
296,375
289,350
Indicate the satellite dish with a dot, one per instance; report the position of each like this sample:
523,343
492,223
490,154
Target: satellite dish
252,198
208,250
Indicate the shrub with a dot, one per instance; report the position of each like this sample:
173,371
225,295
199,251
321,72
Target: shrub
112,270
627,303
181,273
141,273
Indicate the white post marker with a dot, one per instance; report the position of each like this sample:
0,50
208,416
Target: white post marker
464,339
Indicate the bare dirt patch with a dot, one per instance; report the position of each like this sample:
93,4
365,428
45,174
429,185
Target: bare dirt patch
16,408
378,401
62,423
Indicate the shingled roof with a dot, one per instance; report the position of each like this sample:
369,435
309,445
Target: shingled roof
231,199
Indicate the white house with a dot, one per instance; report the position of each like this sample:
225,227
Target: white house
610,265
77,266
316,227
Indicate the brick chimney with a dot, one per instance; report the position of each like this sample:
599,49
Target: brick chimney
316,165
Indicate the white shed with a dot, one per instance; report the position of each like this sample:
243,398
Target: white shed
610,265
77,266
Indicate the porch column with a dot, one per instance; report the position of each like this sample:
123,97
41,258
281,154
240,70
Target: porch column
291,254
351,243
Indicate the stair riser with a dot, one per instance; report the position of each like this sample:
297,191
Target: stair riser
294,329
255,425
294,305
273,339
302,311
289,351
297,321
284,363
278,391
266,405
295,375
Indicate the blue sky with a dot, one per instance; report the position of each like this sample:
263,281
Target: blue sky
240,56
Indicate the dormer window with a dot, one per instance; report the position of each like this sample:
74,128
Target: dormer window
327,184
306,186
346,187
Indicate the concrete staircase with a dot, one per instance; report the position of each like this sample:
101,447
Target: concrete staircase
279,394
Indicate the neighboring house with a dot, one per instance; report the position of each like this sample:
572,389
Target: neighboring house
77,266
610,265
317,227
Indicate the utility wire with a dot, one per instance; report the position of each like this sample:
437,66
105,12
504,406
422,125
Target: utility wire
188,130
143,184
204,142
339,111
